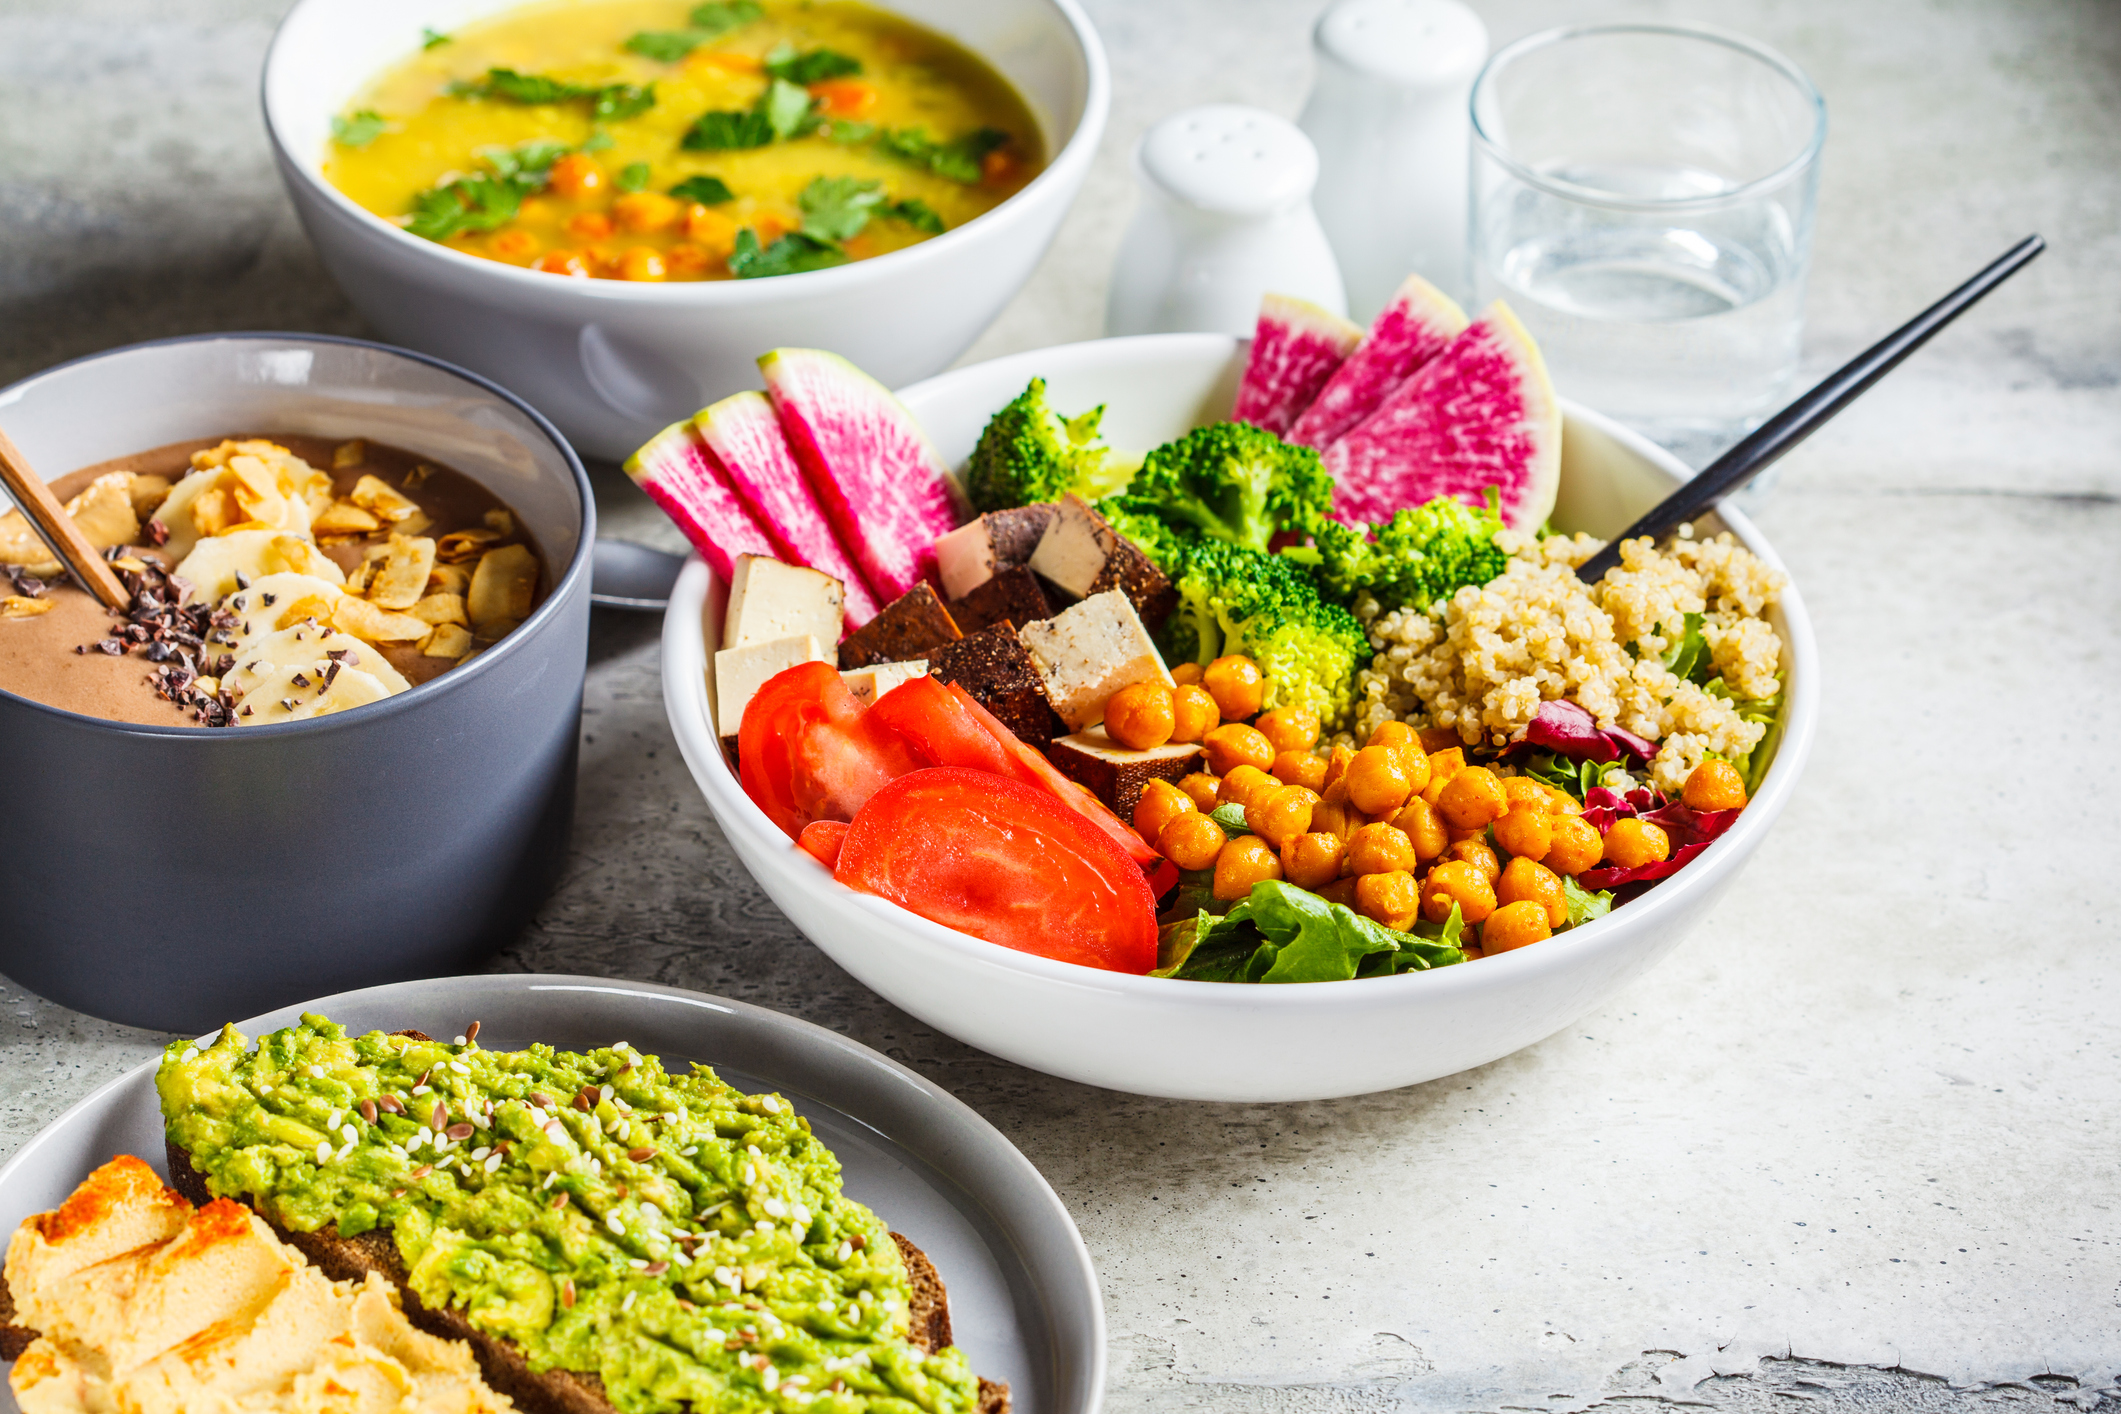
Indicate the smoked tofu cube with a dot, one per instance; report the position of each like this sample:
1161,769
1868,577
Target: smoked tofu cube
908,627
1012,597
769,600
1089,651
1082,554
739,673
973,553
995,668
1116,774
872,683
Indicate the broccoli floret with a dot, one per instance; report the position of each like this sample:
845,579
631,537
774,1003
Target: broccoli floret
1235,600
1235,482
1030,453
1418,557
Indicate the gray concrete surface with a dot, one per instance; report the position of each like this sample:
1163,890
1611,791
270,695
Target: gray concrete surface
1852,1147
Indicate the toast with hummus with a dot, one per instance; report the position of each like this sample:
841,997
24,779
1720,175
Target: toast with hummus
127,1297
606,1237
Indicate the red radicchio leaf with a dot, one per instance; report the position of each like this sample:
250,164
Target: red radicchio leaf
1568,730
1598,880
1687,826
1638,747
1602,807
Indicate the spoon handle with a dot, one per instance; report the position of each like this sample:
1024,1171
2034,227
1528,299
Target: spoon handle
57,529
1810,412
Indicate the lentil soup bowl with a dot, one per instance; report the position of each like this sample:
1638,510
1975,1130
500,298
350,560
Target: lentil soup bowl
172,876
1208,1040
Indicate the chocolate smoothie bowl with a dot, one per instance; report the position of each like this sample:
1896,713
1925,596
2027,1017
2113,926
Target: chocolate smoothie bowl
332,738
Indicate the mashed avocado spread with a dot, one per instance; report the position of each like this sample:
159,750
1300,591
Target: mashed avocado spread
685,1242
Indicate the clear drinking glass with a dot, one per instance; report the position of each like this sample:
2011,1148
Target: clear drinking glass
1642,197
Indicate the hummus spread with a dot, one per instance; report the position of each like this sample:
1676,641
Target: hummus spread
147,1305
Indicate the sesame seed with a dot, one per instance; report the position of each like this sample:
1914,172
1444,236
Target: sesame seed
349,1133
639,1264
479,1153
770,1105
688,1151
604,1092
324,1151
461,1041
331,1121
616,1224
549,1178
775,1208
493,1163
627,1304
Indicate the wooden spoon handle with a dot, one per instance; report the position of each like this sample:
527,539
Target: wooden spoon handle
58,528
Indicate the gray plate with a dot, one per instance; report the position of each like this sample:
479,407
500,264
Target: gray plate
1023,1297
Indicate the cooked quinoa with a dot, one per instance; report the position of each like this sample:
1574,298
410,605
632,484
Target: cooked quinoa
1483,660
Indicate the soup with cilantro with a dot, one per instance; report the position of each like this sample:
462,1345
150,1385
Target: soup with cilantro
652,140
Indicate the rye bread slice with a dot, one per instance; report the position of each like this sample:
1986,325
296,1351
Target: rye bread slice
501,1361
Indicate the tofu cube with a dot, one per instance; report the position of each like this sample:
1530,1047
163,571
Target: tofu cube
1117,775
1089,651
973,553
769,600
739,673
1082,554
872,683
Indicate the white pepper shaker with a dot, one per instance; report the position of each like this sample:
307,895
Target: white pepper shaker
1388,113
1225,217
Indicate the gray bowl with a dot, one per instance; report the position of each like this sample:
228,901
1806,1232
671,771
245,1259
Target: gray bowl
171,877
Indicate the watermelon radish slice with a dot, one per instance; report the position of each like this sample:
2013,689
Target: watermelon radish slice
879,478
1479,414
745,438
1406,334
686,482
1295,348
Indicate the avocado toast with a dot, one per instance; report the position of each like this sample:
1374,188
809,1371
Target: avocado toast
607,1236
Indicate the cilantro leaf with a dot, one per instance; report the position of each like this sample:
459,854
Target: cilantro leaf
632,177
917,214
616,102
791,254
958,159
814,66
709,21
722,131
485,200
786,108
597,141
721,16
837,208
708,191
848,130
358,129
433,38
521,88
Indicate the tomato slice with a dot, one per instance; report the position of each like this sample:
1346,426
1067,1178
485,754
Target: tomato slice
821,840
937,725
1003,861
807,751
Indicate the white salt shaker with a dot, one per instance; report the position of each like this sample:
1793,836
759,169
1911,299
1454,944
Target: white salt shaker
1388,113
1225,217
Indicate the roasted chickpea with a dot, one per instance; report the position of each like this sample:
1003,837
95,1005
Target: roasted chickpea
1527,832
1337,761
1244,861
1301,768
1423,827
1714,785
646,211
1525,881
1472,799
1186,673
1140,716
1380,849
1234,744
1192,841
1333,815
575,175
1514,925
1193,712
1289,729
1161,803
1442,766
1391,898
1525,790
1392,734
1417,767
643,263
1435,739
1311,860
1632,843
1278,816
1237,685
1340,891
1577,845
1476,853
1377,780
1203,789
1456,882
1243,785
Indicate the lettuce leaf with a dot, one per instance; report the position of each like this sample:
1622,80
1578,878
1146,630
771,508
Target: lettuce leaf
1280,933
1584,905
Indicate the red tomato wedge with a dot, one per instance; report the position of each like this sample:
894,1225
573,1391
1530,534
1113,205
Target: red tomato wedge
1003,861
807,751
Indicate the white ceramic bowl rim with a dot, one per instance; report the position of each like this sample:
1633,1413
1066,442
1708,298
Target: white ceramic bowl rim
684,663
1077,151
578,568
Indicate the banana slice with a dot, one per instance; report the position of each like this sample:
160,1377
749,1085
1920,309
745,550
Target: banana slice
293,694
306,649
265,606
212,566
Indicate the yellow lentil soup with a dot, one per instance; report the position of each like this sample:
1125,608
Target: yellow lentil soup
656,140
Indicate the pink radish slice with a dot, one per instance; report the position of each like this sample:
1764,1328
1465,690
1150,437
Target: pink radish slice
746,439
1406,334
686,482
1295,348
1479,414
875,472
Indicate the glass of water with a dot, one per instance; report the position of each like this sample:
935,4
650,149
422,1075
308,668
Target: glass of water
1642,197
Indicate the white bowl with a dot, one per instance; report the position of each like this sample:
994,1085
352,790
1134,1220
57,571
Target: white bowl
612,361
1207,1040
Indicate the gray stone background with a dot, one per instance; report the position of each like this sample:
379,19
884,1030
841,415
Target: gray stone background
1853,1146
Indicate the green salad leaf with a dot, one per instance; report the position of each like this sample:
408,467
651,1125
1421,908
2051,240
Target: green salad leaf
811,66
358,129
1280,933
1565,774
1231,816
791,254
1689,657
1583,905
708,191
